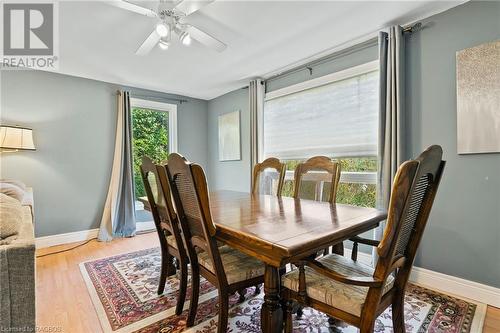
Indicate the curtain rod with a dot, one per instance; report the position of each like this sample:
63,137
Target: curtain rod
178,100
335,55
413,28
349,50
157,98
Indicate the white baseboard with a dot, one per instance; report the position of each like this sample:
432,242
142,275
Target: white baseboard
457,286
80,236
70,237
446,283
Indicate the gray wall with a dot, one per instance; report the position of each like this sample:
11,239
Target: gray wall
463,235
229,175
74,122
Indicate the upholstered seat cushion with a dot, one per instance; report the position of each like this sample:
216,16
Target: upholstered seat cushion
342,296
237,265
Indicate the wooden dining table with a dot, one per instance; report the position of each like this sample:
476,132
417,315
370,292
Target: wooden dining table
282,230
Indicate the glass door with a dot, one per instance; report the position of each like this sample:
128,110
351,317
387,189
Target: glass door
153,135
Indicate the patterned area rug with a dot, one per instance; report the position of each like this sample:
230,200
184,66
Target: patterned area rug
123,291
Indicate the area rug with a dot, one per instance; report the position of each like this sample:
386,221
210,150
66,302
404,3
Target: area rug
123,291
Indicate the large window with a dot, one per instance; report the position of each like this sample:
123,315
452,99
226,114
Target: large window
336,116
154,128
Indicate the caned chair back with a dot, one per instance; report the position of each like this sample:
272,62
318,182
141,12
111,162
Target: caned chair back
269,163
318,163
160,200
413,192
191,197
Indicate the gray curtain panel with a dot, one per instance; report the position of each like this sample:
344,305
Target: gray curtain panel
256,99
391,135
118,218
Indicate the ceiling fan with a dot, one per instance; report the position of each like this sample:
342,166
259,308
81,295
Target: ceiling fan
171,15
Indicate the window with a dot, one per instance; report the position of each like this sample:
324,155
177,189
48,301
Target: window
335,115
154,134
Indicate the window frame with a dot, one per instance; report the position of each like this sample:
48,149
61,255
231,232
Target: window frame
324,80
346,176
171,109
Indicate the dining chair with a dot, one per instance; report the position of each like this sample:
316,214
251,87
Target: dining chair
226,268
333,169
167,227
355,293
269,163
318,163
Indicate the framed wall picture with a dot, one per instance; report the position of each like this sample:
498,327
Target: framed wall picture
229,137
478,99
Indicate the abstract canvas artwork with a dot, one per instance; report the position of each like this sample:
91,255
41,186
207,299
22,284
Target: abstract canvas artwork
229,137
478,99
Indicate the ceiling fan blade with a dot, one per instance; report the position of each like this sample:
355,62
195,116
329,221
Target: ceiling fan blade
148,44
133,8
206,39
188,7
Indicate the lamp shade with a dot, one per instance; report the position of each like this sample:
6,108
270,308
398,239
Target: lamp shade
14,137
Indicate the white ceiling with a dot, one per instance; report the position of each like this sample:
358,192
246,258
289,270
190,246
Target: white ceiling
98,41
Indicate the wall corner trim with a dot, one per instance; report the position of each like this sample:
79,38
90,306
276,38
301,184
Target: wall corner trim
446,283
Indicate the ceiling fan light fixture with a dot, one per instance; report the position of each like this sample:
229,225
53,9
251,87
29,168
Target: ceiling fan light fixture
163,45
170,24
162,29
185,38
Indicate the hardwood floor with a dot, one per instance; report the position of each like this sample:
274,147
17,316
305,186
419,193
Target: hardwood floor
62,300
63,303
492,322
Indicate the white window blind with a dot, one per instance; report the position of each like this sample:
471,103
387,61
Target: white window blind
338,119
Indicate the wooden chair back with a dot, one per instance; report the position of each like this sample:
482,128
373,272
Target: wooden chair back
318,163
191,197
413,192
269,163
412,197
160,200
